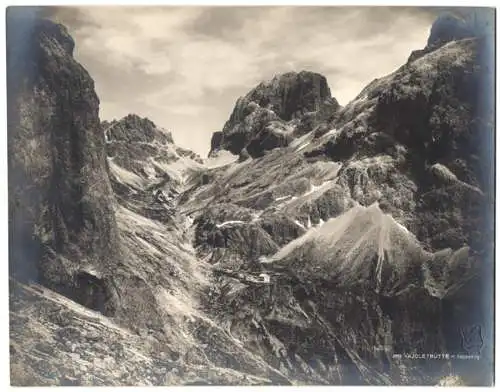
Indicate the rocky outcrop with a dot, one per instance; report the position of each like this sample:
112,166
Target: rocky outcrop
264,119
184,152
132,141
476,23
134,129
332,243
61,205
234,234
290,95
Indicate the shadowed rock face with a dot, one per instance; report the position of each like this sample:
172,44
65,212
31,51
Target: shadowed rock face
292,94
60,196
449,27
438,122
338,239
261,120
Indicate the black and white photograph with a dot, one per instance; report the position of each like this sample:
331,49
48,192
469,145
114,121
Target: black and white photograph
250,195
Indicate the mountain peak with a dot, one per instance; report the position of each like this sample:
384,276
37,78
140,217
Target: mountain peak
449,27
268,116
476,23
133,128
291,94
24,28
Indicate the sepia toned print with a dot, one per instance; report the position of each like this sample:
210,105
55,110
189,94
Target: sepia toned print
251,195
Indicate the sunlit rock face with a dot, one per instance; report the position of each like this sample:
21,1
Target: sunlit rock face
316,245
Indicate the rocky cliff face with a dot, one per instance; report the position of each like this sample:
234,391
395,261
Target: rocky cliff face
60,207
264,119
324,261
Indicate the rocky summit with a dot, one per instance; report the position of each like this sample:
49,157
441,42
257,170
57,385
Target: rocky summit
275,111
317,244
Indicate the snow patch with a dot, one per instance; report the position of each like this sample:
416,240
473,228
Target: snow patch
302,142
282,198
319,188
232,222
222,158
331,132
303,146
299,224
328,135
124,176
256,216
265,278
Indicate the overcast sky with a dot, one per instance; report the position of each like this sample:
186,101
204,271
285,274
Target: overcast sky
184,67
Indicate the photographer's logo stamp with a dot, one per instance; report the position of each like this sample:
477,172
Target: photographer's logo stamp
472,339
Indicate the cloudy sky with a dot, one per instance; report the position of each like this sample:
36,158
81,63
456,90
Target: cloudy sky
184,67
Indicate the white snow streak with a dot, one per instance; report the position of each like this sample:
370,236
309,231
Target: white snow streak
232,222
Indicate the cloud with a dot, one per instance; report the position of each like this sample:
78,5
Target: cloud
184,67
